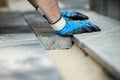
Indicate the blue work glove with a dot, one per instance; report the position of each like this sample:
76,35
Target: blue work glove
76,27
73,15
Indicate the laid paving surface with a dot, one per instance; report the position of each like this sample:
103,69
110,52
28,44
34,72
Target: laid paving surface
104,46
22,55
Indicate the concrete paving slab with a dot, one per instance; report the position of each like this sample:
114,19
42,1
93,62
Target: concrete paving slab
11,22
14,29
12,19
45,33
26,62
103,46
37,22
15,39
15,5
105,23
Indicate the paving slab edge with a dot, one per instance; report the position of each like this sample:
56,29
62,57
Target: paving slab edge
111,69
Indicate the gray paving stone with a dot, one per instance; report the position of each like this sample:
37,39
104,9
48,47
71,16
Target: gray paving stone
11,22
26,62
103,46
14,29
46,34
16,39
52,41
11,19
105,23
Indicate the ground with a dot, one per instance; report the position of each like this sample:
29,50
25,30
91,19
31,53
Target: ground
74,65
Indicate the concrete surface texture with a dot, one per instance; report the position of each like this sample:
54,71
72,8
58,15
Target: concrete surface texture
14,29
74,65
103,46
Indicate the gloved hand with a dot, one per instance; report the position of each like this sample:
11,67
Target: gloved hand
75,27
73,15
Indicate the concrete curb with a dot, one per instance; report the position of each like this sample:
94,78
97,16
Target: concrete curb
22,55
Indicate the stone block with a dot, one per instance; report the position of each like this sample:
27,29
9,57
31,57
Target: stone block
14,29
53,41
11,22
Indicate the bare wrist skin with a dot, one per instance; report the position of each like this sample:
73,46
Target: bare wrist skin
50,9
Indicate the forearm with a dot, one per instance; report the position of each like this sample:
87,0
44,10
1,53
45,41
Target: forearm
50,9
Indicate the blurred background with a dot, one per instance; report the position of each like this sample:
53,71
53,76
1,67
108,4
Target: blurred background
109,8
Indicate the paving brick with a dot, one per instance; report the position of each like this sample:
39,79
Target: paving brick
11,22
37,22
46,34
103,46
14,29
52,41
16,39
9,19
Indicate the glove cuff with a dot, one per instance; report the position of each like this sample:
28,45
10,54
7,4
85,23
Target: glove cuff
59,24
